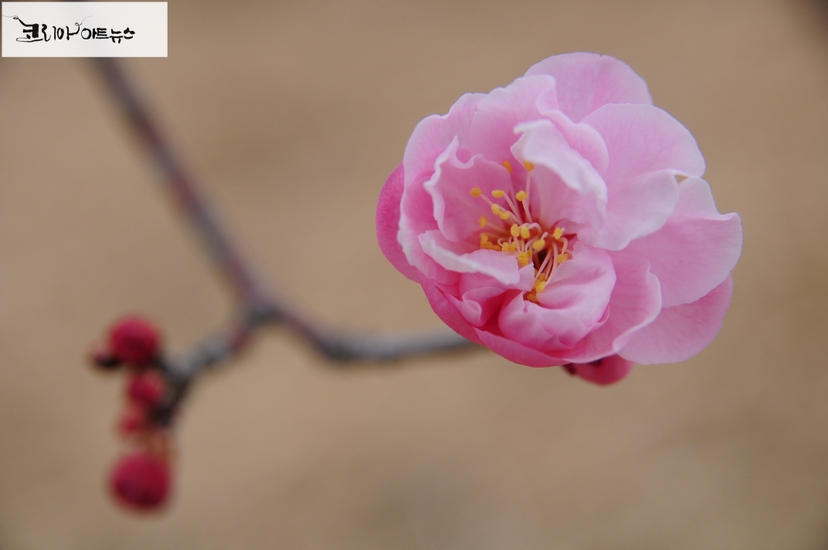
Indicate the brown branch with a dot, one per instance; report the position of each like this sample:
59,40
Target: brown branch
258,306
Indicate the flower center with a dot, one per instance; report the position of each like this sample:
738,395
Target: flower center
514,231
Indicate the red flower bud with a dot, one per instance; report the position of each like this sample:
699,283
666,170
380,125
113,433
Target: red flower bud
134,340
147,389
141,481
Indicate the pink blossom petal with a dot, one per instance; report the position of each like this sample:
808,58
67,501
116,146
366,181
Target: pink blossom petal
449,188
642,139
566,186
434,133
635,303
481,296
492,130
388,223
635,210
583,138
447,313
417,218
571,306
603,372
586,81
695,250
457,258
515,352
681,332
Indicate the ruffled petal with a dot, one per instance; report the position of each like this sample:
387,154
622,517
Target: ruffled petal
388,223
482,296
583,138
446,311
635,303
695,250
450,188
603,372
680,332
586,81
642,139
417,218
517,353
434,133
565,185
492,130
457,258
571,306
635,210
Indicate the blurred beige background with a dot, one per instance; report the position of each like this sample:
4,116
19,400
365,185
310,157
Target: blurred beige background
294,113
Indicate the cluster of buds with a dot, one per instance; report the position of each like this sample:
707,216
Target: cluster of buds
141,478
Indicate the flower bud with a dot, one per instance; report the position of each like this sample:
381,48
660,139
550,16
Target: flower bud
141,481
134,340
146,389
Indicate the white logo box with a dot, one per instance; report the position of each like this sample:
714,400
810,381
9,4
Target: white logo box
84,29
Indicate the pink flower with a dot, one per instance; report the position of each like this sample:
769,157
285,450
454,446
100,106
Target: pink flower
563,220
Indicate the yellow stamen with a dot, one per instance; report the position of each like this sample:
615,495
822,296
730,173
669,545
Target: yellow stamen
528,165
483,222
538,245
484,238
562,258
505,247
513,247
514,230
539,286
507,165
498,193
521,196
558,233
496,210
504,215
475,192
532,298
523,259
524,232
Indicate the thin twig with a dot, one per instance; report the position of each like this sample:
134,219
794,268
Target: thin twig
258,306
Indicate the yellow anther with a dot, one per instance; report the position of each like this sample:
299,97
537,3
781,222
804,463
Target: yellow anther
532,298
475,192
541,276
484,238
524,232
528,165
514,230
483,222
562,258
558,233
538,245
497,193
507,165
504,215
523,259
496,209
539,286
521,196
505,247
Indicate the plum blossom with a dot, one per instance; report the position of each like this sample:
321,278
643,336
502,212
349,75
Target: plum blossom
563,221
